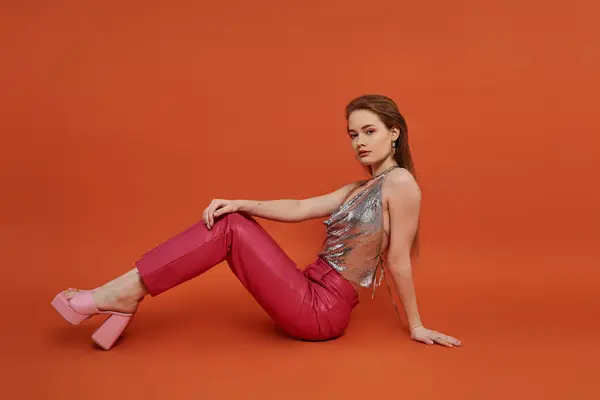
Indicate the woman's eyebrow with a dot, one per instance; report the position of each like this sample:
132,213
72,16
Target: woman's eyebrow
363,127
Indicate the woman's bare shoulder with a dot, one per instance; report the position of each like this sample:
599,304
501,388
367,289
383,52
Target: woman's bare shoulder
400,174
401,183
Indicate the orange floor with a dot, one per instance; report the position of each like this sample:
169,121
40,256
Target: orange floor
525,336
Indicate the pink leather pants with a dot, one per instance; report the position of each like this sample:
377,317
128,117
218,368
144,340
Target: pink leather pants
310,304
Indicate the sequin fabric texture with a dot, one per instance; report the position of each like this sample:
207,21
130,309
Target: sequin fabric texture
354,237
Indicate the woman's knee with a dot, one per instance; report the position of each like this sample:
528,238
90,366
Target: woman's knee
244,226
239,219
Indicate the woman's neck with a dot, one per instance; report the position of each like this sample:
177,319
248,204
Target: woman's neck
376,171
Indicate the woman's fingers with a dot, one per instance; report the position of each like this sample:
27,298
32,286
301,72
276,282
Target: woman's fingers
446,340
425,338
216,208
443,342
209,213
211,218
205,214
433,337
449,339
453,340
220,211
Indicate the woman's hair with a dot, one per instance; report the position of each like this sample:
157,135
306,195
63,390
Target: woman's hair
387,111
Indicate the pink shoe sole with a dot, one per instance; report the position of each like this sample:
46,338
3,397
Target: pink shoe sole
82,306
61,304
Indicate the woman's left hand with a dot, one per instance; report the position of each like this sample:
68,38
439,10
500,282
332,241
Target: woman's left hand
427,336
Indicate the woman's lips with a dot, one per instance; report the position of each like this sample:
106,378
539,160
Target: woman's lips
364,153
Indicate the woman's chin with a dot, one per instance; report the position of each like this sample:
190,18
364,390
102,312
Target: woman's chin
365,162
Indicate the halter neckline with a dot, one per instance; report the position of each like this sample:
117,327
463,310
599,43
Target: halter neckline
382,173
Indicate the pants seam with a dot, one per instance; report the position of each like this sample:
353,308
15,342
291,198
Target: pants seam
180,257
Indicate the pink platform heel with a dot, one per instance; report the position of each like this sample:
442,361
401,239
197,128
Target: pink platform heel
82,306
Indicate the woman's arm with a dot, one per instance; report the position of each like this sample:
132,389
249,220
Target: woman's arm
288,210
284,210
404,199
404,207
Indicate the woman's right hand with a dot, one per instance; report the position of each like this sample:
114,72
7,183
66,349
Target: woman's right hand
216,208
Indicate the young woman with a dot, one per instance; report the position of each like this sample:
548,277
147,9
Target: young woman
370,223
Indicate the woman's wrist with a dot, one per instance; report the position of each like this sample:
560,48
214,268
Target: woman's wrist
416,326
240,205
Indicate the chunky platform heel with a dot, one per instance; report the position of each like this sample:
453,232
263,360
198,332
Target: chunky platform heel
111,330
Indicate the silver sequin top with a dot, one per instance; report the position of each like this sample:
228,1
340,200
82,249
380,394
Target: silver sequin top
355,232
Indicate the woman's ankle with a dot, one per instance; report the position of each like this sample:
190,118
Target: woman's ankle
138,289
115,299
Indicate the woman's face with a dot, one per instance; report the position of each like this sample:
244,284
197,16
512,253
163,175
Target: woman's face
371,140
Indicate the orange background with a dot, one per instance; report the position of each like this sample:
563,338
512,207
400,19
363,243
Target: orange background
120,121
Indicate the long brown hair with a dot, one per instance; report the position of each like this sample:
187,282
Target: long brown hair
387,111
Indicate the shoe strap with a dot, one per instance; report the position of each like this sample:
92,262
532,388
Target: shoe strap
83,303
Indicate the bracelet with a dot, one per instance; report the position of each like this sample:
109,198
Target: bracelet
415,327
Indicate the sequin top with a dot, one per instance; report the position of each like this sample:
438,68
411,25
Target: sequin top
355,234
